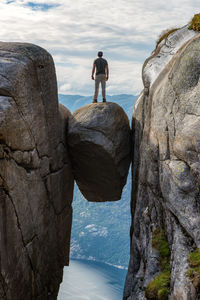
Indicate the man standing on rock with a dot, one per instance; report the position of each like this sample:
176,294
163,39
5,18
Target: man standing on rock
102,73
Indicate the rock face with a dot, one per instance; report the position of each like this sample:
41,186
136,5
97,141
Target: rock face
166,175
36,183
163,54
99,144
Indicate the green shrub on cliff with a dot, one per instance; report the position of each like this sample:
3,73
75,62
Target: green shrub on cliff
160,243
194,271
195,23
158,288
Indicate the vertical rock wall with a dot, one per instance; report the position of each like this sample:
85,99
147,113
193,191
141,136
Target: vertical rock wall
36,183
166,172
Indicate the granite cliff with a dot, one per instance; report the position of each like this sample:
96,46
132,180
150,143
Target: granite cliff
165,231
36,182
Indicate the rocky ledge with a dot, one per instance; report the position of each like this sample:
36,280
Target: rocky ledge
99,145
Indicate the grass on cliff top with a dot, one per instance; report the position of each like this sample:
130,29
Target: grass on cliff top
195,23
164,34
194,271
158,288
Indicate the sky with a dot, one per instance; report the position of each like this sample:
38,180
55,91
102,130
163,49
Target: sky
73,31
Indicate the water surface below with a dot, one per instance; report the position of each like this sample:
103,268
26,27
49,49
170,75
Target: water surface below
91,280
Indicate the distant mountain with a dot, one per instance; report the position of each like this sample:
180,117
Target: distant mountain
100,230
72,102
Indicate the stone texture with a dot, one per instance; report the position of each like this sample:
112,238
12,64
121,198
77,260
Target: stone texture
99,144
36,183
166,174
163,54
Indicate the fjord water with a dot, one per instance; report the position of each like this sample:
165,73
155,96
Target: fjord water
89,280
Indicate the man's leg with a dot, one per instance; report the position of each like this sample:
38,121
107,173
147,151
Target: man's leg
103,85
96,91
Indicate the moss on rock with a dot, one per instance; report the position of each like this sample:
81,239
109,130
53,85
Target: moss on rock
158,288
163,293
194,271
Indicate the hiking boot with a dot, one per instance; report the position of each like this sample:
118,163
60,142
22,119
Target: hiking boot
104,100
94,101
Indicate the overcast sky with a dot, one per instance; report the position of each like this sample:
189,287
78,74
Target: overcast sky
73,31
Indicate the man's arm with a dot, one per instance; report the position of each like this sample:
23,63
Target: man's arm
93,70
107,72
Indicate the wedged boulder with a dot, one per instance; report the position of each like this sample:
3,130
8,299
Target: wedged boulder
36,182
99,145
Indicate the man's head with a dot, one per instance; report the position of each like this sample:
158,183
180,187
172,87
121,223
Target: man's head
100,54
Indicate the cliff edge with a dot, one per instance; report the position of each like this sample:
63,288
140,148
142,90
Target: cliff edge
165,231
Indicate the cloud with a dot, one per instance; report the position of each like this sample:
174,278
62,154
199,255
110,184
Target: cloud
73,32
65,88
